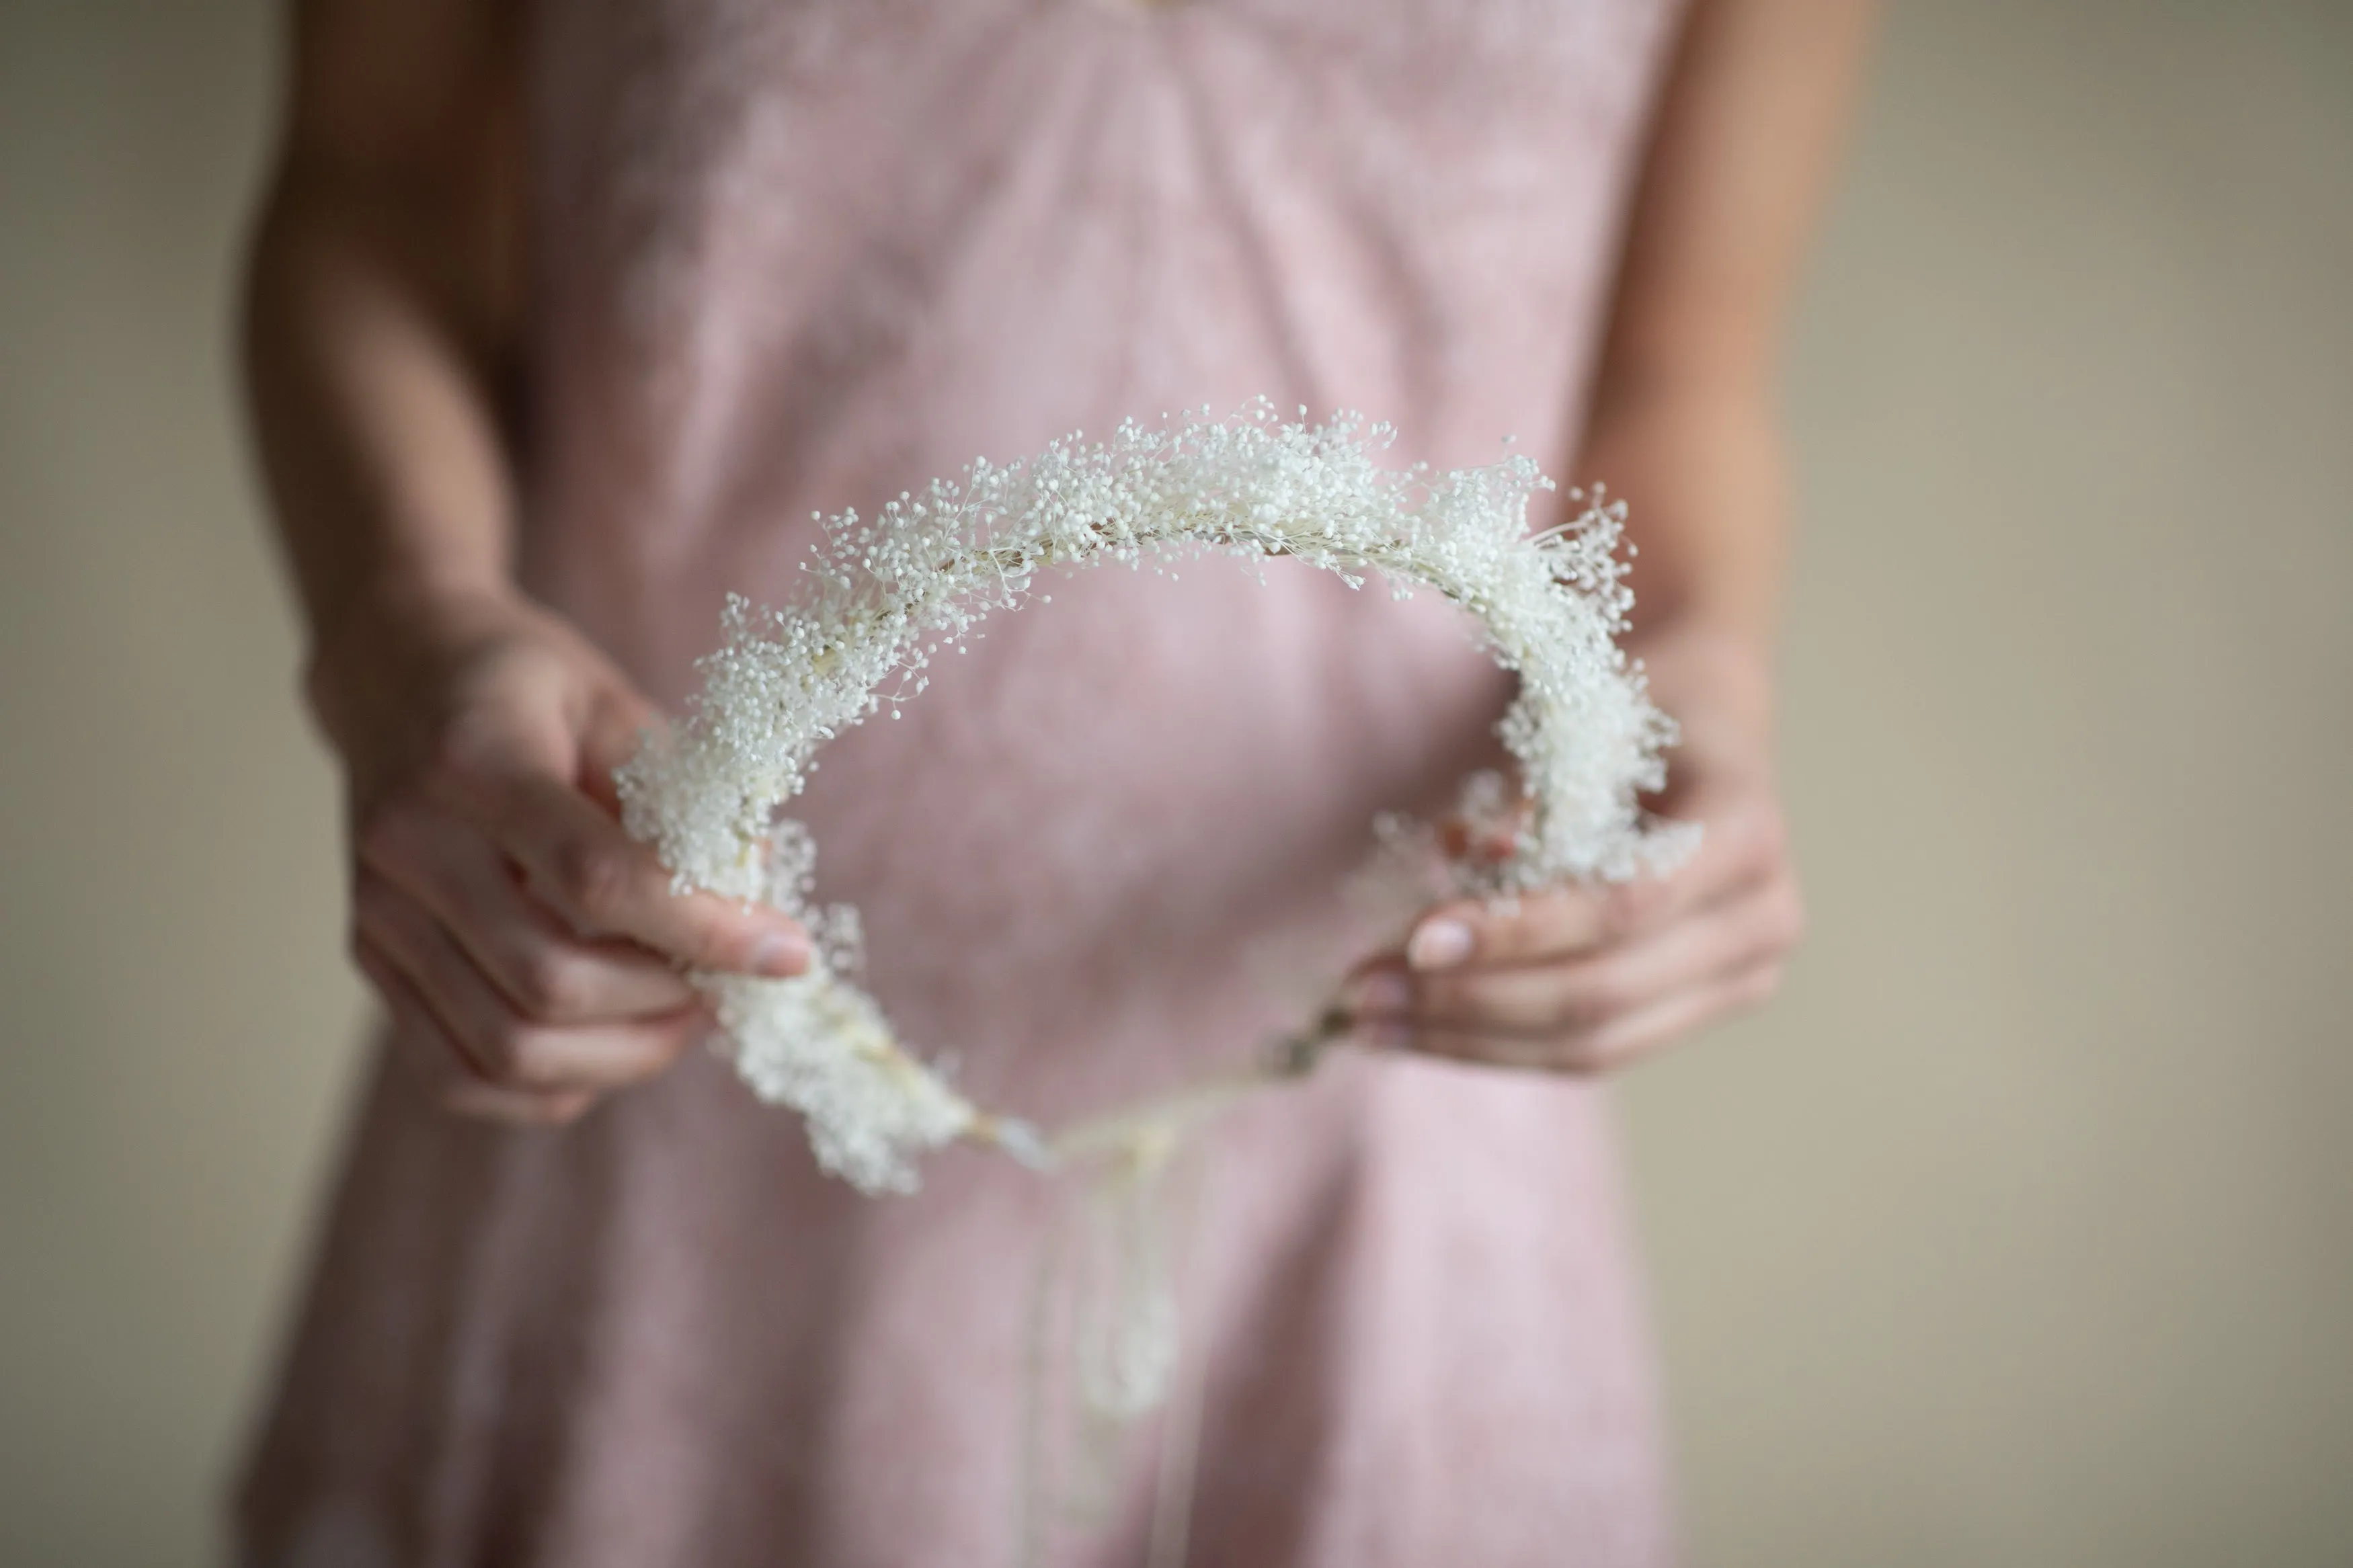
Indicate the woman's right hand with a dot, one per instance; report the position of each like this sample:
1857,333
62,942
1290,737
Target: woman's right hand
530,951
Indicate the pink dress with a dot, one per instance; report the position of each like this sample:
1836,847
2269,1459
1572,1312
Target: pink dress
801,256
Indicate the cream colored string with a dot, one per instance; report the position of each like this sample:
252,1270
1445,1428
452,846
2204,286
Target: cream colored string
1125,1331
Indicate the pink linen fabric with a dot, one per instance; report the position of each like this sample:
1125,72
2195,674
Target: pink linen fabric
798,256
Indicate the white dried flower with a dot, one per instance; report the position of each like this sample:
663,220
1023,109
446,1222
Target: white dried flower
885,596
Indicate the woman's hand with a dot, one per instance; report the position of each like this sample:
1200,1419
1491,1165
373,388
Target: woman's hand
1585,979
528,949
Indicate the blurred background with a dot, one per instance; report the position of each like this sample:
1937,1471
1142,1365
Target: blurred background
2019,1231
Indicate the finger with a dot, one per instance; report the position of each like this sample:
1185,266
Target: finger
428,1048
606,884
543,970
506,1048
1637,1034
528,1107
1518,1052
1605,1050
1739,845
1750,925
617,728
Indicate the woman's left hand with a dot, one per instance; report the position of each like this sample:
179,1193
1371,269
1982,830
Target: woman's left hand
1583,979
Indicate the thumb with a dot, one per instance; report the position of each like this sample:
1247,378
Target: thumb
618,727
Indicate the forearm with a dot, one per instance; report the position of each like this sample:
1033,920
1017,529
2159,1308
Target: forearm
1682,421
1701,467
374,417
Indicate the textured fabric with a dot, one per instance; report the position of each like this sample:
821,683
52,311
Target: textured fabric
801,256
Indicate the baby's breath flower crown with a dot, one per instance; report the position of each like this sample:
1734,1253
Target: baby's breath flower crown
886,595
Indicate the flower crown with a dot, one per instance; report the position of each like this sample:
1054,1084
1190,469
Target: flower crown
885,596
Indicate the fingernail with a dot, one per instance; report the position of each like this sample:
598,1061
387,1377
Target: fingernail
1383,1033
1440,945
1383,991
778,956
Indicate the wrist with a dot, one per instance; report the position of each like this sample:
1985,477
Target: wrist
1715,672
1741,645
392,624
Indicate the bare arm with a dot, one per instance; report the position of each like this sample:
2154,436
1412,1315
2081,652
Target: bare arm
526,948
382,305
1682,419
1683,427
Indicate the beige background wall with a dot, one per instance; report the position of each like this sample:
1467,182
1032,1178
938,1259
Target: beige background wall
2019,1233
